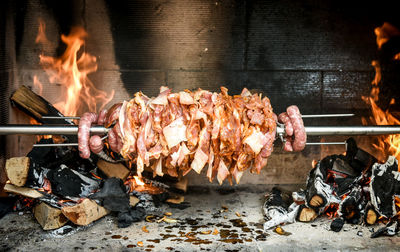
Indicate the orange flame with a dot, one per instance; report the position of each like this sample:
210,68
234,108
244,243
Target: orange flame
71,70
138,181
386,145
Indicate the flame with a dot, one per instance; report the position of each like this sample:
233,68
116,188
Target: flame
71,70
138,181
386,145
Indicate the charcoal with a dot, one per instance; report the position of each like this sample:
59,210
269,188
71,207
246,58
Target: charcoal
384,186
69,183
180,206
337,224
359,159
125,219
389,230
113,195
42,155
36,175
6,205
158,199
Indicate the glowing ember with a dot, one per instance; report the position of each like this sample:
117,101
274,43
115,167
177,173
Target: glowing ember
137,184
71,70
386,145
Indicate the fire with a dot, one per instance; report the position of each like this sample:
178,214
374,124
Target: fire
71,70
386,145
135,183
138,181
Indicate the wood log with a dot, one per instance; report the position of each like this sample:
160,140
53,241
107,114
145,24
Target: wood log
36,106
181,184
17,169
306,214
117,170
23,191
85,212
133,200
370,216
316,201
49,217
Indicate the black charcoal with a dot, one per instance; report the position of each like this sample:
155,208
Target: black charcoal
337,224
113,196
125,219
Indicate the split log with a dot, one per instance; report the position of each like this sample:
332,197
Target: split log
23,191
384,185
349,208
370,215
306,214
85,212
36,106
319,194
117,170
49,217
181,185
17,169
133,200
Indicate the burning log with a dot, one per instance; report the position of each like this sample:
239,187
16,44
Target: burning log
36,106
370,215
17,169
350,207
85,212
385,184
117,170
49,217
319,194
306,214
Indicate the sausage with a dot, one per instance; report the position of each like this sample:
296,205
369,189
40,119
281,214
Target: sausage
102,117
300,137
112,115
284,118
84,132
96,144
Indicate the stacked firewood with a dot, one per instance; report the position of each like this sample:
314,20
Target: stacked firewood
352,188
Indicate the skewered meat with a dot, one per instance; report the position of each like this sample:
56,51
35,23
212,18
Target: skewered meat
175,133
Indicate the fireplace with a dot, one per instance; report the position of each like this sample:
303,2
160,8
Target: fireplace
315,55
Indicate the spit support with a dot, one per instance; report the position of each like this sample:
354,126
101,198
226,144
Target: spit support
28,129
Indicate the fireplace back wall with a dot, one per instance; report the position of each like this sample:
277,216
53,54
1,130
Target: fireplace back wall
315,54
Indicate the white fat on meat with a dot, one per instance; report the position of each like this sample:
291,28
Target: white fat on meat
159,167
175,132
162,98
256,141
199,161
185,98
179,155
210,164
121,118
237,175
223,172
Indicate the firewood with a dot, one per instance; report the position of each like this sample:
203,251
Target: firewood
49,217
181,184
17,169
23,191
133,200
117,170
85,212
370,216
36,106
306,214
316,201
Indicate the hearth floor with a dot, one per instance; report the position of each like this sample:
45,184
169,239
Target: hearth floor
21,232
